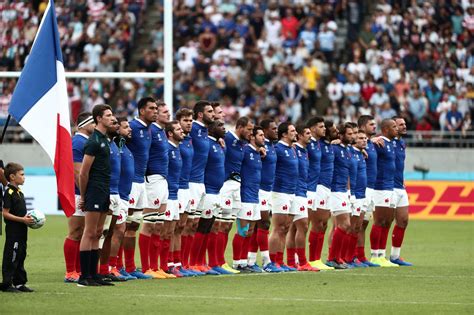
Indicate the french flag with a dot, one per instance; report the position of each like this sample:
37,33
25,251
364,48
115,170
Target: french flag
40,104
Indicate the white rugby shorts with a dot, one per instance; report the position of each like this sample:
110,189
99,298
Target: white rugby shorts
323,197
265,198
249,212
138,197
400,197
283,203
115,204
384,198
230,195
197,192
172,210
184,198
156,191
210,206
369,200
300,205
340,203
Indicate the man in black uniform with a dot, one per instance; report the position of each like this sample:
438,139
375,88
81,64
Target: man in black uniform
16,230
94,185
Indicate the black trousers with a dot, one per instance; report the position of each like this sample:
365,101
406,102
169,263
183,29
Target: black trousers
13,266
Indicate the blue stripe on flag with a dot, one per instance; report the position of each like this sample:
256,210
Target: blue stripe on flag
39,74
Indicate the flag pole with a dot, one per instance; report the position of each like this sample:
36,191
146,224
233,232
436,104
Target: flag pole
5,129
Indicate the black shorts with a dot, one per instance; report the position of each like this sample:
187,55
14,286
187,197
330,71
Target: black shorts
97,199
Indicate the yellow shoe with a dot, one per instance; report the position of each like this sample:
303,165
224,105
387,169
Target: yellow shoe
154,274
383,262
320,265
229,268
375,260
166,275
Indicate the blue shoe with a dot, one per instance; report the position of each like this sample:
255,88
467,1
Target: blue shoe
337,265
186,272
195,272
370,264
356,263
399,261
272,267
287,268
256,268
212,272
221,271
126,275
140,275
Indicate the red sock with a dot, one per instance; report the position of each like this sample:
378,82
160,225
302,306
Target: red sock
177,256
186,249
397,236
290,256
361,253
279,258
383,238
244,253
70,252
144,245
129,254
202,254
164,250
237,244
313,245
350,252
375,234
78,257
155,244
336,244
345,247
262,239
113,262
319,248
221,240
120,258
104,269
212,249
273,257
253,246
196,245
301,256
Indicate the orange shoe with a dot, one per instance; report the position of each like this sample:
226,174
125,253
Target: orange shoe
71,277
307,267
200,268
154,274
165,274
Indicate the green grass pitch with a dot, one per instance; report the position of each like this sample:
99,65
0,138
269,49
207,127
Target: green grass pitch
442,281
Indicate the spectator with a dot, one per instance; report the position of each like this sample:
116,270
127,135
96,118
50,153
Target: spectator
417,104
327,41
352,90
292,96
334,90
454,119
311,78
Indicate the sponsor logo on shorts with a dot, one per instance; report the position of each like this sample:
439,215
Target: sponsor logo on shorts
156,202
96,206
386,200
264,202
179,205
302,208
344,204
167,213
310,202
208,212
358,209
249,213
131,201
227,202
192,202
321,203
284,208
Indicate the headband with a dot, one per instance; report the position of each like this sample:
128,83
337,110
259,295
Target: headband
85,122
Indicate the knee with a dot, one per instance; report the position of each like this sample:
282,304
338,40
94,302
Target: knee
264,224
345,226
76,234
403,223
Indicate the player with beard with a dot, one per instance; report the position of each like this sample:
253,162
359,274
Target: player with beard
85,127
320,217
296,237
401,197
139,145
259,238
283,195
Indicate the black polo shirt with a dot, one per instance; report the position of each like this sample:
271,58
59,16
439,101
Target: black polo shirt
14,200
98,146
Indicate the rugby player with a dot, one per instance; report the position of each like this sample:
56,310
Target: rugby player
384,195
94,186
230,192
139,145
340,196
320,217
85,127
259,239
400,194
127,172
155,236
283,195
296,237
249,214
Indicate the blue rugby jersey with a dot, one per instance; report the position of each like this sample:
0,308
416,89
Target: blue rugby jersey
127,171
250,175
200,142
78,142
314,153
115,167
303,165
385,166
234,153
158,160
353,170
286,174
399,146
187,152
214,172
361,183
139,145
327,164
268,167
371,164
174,170
342,165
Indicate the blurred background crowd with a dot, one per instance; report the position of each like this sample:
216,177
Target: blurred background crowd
283,59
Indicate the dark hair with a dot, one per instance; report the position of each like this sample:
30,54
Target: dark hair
256,129
363,120
313,121
145,100
83,116
98,111
265,124
199,107
397,117
213,125
353,124
215,104
343,127
283,128
122,119
328,124
169,127
12,169
242,122
300,128
183,112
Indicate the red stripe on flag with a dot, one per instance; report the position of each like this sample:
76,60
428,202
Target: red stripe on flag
64,168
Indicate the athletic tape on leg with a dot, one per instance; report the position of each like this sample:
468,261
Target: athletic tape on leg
242,230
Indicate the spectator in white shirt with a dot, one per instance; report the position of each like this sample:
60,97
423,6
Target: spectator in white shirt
352,90
334,90
379,97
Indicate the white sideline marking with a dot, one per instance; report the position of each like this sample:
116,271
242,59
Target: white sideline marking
275,299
